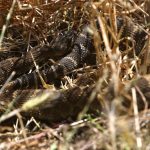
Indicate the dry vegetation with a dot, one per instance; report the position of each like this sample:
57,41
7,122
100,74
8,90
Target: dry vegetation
119,81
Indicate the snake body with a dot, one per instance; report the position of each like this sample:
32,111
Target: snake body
82,48
74,50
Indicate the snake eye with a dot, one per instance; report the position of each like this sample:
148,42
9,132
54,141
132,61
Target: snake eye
60,34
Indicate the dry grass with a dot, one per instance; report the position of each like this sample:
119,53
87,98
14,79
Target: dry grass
116,127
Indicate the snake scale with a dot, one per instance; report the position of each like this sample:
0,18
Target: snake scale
73,55
82,47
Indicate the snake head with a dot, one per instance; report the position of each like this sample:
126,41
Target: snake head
62,44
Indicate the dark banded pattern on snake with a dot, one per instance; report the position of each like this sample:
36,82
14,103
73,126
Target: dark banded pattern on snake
81,49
